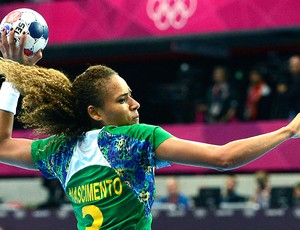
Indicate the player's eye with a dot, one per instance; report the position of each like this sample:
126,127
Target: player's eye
122,100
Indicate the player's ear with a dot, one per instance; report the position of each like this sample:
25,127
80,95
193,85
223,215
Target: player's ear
94,113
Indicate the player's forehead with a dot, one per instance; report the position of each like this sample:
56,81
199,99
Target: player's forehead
117,86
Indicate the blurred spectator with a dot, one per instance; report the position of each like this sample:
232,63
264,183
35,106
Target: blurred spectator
230,194
294,92
296,198
174,196
263,189
220,104
280,101
258,100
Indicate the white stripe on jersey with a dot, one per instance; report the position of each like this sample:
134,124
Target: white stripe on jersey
86,153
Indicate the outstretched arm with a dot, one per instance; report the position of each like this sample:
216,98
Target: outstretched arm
231,155
13,150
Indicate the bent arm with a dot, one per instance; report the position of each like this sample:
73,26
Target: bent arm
223,157
13,151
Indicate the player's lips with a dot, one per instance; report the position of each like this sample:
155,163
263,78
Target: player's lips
136,118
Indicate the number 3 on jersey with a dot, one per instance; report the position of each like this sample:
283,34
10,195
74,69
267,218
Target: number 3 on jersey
96,214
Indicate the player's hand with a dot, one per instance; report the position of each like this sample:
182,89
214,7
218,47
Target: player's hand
9,49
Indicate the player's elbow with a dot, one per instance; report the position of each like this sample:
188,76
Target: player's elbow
4,136
224,166
224,162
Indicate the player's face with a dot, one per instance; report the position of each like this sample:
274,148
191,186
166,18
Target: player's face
119,106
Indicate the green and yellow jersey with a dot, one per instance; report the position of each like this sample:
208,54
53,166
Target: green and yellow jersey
108,175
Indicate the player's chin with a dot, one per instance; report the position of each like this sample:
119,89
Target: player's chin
136,120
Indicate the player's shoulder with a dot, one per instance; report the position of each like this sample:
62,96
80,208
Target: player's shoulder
131,129
48,145
152,133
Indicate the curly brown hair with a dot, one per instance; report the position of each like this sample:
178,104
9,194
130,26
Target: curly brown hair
51,103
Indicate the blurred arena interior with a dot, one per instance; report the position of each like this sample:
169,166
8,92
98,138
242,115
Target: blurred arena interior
157,62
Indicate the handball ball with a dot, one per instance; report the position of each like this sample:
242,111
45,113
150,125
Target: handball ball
30,22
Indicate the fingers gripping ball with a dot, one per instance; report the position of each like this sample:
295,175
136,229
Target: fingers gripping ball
32,23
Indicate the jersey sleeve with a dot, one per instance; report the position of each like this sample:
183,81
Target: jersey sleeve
159,136
154,135
44,153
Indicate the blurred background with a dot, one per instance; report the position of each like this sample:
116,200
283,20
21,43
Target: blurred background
210,71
